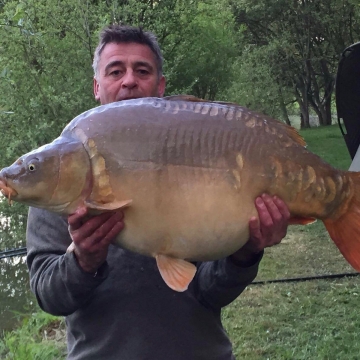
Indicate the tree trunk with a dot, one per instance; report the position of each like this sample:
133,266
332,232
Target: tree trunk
283,108
302,100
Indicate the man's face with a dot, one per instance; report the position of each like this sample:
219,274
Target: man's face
127,71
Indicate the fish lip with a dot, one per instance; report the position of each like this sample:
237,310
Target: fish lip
6,190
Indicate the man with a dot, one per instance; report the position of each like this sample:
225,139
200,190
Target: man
115,302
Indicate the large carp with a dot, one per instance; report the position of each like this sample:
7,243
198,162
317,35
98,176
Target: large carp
186,172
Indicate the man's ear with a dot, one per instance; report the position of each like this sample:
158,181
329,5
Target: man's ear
96,89
161,86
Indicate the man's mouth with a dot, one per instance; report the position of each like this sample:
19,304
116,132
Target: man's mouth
129,98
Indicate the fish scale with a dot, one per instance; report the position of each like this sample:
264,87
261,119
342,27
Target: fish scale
186,173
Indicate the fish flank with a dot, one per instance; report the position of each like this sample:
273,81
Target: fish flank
197,108
205,109
205,151
239,114
240,161
237,179
176,108
230,114
168,106
214,111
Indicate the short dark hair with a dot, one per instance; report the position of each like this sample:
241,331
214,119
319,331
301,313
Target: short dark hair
127,34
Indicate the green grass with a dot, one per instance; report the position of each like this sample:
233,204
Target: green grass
315,319
308,320
328,143
39,337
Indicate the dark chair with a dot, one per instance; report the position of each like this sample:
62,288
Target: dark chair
347,91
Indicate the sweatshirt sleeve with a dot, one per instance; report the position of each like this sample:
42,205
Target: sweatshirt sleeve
218,283
59,284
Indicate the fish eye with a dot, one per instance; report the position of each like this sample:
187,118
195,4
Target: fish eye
31,167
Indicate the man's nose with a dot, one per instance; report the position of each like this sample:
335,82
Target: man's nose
129,80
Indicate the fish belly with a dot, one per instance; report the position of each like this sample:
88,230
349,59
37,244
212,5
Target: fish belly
185,212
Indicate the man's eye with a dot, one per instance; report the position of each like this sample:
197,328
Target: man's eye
115,72
143,72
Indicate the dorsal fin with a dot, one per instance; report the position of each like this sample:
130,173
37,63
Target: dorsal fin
184,97
296,136
293,134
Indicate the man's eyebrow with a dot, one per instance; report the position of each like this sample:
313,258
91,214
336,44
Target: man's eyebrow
144,63
122,63
112,64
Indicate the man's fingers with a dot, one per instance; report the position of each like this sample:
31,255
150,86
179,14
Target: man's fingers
282,207
114,231
271,226
93,244
272,209
87,228
254,228
265,218
96,228
76,220
105,232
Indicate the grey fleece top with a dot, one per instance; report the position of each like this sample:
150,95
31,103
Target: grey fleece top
127,312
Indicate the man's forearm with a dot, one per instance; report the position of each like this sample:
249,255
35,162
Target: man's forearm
218,283
60,285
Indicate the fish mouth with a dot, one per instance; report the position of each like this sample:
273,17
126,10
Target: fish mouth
7,191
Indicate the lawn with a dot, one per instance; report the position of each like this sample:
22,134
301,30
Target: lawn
315,319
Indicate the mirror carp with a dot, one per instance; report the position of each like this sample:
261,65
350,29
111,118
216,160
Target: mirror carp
186,173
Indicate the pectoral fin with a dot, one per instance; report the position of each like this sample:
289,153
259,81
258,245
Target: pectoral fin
177,273
111,206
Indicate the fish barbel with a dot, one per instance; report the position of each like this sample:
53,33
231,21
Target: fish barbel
186,173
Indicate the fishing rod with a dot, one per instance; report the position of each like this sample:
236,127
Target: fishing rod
12,252
22,251
305,278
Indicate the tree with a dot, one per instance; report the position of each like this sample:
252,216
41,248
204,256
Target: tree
303,40
45,65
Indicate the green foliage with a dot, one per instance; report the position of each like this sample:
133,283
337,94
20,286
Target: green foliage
46,74
46,81
202,65
40,336
43,86
256,87
300,42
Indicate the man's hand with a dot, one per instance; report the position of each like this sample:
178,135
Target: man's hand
268,230
93,236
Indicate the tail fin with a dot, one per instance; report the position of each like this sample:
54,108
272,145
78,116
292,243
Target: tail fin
345,230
